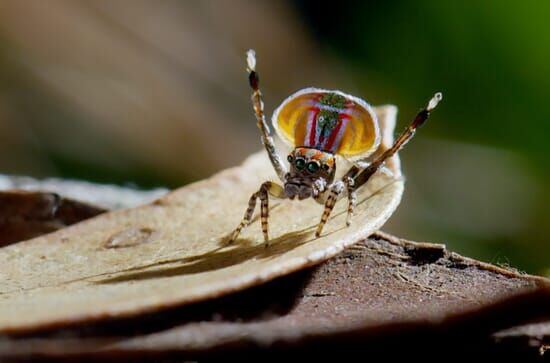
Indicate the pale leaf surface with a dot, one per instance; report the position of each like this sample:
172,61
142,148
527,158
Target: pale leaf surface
174,251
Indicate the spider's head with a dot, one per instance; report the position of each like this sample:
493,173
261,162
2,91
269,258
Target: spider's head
306,166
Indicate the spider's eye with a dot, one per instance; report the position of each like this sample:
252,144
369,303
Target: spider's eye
326,167
289,158
312,167
300,163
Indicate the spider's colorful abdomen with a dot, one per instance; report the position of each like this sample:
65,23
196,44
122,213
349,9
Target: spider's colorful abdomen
330,121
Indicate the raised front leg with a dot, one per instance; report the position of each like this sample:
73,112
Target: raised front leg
267,188
258,104
364,175
356,176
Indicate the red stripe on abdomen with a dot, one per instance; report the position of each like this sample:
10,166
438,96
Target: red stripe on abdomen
334,133
313,126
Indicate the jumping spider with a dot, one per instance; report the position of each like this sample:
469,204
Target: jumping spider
320,124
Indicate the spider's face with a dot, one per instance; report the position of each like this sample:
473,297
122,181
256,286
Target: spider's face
306,166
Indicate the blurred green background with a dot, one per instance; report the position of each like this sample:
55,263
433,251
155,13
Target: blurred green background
154,94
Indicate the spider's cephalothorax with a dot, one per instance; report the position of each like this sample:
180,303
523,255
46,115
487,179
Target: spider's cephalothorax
308,167
320,124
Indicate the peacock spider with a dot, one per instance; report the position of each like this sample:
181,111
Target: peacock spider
320,124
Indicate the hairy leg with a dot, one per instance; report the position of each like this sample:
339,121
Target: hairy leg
267,188
352,199
364,175
258,104
356,177
335,193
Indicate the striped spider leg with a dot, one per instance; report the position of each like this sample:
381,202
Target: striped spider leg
357,176
267,188
386,119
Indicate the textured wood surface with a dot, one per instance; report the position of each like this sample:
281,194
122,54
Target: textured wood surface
381,294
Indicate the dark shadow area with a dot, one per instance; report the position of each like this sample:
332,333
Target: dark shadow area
217,259
226,255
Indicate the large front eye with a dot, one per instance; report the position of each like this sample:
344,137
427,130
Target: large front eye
312,167
300,163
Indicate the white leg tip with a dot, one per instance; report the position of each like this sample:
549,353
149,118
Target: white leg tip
251,60
434,101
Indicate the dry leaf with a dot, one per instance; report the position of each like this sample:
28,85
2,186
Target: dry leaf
174,250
